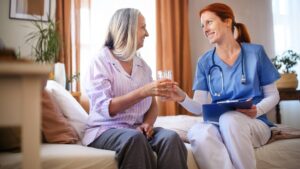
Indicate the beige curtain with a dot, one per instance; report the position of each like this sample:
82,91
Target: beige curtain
70,37
173,48
77,7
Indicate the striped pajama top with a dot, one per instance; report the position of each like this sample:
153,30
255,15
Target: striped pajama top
107,79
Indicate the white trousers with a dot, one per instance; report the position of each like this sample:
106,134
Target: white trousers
229,145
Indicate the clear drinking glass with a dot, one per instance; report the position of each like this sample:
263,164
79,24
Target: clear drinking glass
164,74
161,74
168,74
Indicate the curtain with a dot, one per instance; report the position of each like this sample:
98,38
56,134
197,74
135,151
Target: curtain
286,25
173,48
77,7
68,25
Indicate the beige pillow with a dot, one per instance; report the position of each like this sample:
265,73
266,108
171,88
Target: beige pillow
179,123
55,127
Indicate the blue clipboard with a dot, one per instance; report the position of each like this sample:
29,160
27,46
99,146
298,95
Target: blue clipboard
213,111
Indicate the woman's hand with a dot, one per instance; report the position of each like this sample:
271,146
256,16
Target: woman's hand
162,88
249,112
146,129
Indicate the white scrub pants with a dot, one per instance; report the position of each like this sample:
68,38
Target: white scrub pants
229,146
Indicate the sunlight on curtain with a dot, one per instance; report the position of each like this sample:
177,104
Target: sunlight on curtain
73,43
94,23
286,15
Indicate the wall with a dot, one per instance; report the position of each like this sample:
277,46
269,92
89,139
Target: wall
257,16
13,32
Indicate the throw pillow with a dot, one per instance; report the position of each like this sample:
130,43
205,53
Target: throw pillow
55,127
71,109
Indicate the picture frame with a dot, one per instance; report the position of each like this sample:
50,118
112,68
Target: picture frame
30,10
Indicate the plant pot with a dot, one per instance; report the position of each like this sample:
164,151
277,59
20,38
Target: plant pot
287,81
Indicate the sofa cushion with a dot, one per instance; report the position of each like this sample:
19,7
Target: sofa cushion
179,123
55,127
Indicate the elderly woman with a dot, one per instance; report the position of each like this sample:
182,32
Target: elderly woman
122,98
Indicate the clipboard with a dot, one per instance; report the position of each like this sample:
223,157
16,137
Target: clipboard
213,111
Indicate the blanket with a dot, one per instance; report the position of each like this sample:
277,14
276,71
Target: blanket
281,132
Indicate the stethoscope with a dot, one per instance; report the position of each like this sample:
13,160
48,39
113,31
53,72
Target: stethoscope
215,66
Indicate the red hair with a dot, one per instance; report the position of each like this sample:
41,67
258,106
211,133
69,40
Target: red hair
224,12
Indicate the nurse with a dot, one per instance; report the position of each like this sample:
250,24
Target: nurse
233,69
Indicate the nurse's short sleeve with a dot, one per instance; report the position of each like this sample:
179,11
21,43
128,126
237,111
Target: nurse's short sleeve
200,81
266,70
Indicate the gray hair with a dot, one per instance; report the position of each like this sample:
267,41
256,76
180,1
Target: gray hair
121,37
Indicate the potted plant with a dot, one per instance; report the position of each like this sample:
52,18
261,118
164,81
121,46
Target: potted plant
45,40
284,63
46,45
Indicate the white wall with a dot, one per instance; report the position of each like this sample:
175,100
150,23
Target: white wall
13,32
257,16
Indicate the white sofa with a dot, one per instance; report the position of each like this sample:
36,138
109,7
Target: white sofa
279,154
72,156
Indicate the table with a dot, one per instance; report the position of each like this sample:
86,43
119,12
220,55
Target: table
20,105
286,94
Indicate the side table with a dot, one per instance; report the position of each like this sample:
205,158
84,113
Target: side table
20,105
286,94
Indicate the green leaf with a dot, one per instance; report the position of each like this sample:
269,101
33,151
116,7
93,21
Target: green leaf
45,40
287,59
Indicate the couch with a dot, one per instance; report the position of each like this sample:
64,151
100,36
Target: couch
58,154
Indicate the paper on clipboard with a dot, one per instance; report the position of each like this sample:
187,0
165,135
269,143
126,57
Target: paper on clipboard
213,111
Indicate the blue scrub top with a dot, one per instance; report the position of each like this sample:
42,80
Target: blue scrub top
258,69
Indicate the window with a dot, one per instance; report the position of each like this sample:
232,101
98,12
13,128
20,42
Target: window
286,27
94,23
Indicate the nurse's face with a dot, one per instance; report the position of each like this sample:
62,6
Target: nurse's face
141,31
213,27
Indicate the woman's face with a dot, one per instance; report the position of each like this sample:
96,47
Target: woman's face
141,31
213,27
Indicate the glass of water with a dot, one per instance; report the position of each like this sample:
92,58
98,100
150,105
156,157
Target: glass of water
164,74
161,74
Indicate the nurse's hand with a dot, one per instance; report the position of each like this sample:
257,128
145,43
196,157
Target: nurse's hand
249,112
177,94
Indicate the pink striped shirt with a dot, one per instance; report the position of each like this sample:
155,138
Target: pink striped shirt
107,79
